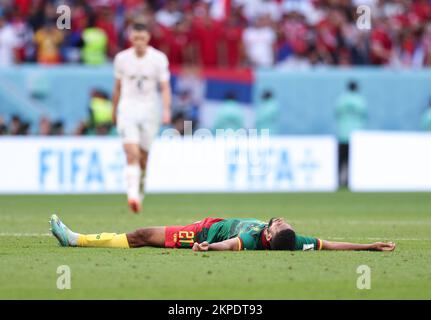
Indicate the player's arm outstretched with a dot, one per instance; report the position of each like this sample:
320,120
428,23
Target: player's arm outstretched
377,246
233,244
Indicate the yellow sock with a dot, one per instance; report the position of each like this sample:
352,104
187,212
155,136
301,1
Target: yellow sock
103,240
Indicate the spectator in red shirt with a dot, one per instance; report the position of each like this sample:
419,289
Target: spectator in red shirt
422,9
231,44
381,44
105,21
178,44
23,7
159,36
206,37
329,39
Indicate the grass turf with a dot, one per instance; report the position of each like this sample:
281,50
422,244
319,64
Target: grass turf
29,257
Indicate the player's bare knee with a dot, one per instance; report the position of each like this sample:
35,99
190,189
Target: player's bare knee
139,238
132,157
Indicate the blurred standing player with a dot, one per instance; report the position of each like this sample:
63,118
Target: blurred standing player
351,114
139,72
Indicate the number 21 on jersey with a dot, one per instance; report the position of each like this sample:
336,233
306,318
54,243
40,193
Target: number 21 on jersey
186,237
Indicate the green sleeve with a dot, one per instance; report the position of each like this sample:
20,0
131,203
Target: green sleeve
307,243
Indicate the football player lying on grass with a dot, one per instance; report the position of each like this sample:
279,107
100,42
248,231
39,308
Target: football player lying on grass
210,234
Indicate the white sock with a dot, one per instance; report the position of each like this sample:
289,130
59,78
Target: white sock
133,174
72,237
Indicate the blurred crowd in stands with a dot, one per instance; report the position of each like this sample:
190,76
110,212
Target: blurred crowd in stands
222,33
18,127
211,34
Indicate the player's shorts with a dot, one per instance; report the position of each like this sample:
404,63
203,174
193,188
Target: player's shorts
138,127
186,236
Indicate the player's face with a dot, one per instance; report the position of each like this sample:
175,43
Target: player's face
275,225
140,39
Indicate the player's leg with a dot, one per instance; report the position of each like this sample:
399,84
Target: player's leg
148,132
143,159
128,129
343,165
144,237
147,237
133,175
153,236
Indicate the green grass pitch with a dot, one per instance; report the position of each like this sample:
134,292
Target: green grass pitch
29,257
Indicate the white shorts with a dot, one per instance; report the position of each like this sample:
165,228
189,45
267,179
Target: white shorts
140,129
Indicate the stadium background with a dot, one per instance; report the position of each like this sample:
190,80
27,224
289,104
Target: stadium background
282,65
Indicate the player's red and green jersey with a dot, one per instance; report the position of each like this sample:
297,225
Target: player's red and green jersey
251,235
249,232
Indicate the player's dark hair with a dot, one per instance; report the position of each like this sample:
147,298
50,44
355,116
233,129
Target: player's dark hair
266,95
139,26
353,86
283,240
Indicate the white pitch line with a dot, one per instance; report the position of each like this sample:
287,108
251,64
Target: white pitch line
355,222
6,234
377,239
16,234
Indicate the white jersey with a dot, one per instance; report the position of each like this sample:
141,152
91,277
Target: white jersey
140,76
138,117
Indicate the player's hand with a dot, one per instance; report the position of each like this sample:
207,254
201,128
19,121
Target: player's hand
383,246
166,118
204,246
